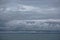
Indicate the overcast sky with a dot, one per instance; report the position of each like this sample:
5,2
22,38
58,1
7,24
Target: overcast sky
30,9
14,10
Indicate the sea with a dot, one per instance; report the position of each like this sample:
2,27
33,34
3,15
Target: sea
29,36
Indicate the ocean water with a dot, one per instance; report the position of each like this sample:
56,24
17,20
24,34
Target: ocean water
20,36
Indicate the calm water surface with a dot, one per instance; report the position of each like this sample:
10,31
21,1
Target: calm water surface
17,36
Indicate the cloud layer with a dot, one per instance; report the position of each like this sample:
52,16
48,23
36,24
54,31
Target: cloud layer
17,14
26,8
33,25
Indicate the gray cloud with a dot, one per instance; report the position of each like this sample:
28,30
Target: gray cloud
13,11
33,25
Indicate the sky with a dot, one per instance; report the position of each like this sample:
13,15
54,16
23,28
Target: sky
13,11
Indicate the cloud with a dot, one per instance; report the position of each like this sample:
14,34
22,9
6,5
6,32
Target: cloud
27,8
33,24
12,15
1,9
